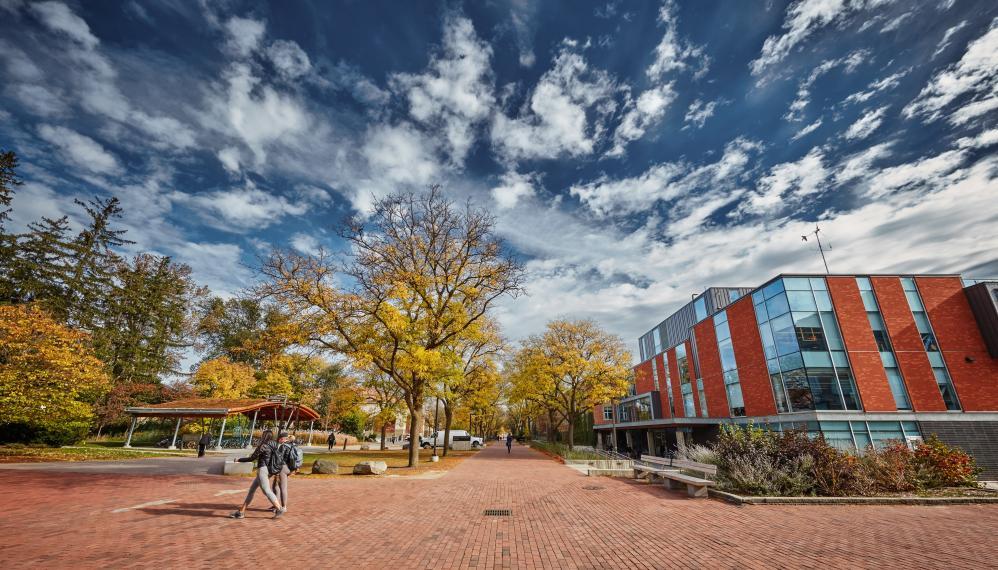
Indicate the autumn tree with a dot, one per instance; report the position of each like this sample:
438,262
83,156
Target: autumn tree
49,378
386,398
222,378
421,272
570,368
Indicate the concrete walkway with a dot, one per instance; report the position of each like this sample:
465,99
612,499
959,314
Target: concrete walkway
557,518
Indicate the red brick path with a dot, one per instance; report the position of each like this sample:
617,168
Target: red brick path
58,519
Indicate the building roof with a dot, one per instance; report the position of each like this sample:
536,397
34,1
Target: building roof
264,409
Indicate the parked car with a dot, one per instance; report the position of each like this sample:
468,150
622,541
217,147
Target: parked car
455,435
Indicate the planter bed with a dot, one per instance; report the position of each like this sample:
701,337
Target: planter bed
981,497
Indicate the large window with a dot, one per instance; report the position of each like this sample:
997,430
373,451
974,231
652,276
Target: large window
736,404
654,372
807,362
668,383
946,388
636,410
608,413
700,309
685,385
894,378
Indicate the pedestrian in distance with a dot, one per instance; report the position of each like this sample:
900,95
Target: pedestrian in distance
203,443
509,443
331,440
269,462
293,458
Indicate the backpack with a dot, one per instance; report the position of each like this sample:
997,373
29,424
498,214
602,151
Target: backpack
276,460
297,457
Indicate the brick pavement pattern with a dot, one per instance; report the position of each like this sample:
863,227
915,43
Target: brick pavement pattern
560,519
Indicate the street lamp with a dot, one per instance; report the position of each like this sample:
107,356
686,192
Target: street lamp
436,417
613,415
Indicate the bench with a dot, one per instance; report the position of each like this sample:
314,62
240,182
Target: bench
669,469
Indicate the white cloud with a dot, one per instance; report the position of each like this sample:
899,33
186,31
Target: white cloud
865,125
982,140
555,121
81,150
787,183
699,112
889,82
398,157
673,54
861,164
305,243
230,158
241,209
895,24
512,188
947,38
929,172
58,17
642,114
455,93
976,72
244,35
289,59
803,98
40,100
806,130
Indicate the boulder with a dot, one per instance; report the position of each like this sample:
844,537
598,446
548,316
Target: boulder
370,468
325,467
365,447
236,468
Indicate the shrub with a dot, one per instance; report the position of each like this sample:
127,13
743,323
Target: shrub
945,466
698,453
893,468
757,461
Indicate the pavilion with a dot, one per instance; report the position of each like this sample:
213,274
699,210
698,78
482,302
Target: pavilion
279,409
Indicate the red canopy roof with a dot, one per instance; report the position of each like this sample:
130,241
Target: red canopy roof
264,409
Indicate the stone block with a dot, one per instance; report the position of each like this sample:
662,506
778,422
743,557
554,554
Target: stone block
325,467
236,468
370,468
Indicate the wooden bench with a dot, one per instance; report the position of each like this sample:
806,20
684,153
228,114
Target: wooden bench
669,470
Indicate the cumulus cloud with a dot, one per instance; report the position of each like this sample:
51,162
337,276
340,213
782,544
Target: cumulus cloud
305,243
58,17
288,59
244,35
787,183
645,112
984,139
554,121
672,53
241,209
976,74
698,113
512,188
454,94
865,125
81,150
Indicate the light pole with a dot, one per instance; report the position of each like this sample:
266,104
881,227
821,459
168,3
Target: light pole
613,415
436,416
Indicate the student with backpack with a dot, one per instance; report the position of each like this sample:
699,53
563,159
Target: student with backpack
293,458
269,462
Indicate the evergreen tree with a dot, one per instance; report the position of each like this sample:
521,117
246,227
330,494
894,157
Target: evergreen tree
8,243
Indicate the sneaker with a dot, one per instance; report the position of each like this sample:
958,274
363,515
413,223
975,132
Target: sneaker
279,512
236,515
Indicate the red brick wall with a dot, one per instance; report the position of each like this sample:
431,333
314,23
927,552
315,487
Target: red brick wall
643,378
710,369
867,367
677,394
663,387
757,391
908,349
959,338
598,416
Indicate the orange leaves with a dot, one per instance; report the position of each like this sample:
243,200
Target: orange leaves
222,378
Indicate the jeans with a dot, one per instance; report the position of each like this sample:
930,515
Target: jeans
281,485
263,482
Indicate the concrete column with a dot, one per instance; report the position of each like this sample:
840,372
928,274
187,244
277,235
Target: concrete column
680,438
131,430
651,442
176,430
249,442
221,432
310,431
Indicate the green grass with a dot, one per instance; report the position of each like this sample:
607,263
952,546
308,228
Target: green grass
29,454
394,458
561,450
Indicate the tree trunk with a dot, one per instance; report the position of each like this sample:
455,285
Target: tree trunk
415,419
384,432
448,417
571,433
550,427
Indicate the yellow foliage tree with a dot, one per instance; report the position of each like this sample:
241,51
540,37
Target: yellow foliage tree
222,378
570,368
49,376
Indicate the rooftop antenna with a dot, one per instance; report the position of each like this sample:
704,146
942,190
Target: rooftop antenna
821,249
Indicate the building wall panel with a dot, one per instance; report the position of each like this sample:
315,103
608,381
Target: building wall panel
643,378
907,343
677,394
710,369
864,358
663,385
757,391
973,371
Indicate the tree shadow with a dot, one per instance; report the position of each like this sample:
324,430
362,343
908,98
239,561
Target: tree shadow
210,510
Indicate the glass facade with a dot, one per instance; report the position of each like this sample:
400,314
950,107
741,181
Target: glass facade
856,435
685,385
732,385
700,309
654,372
668,383
946,388
636,410
807,362
894,378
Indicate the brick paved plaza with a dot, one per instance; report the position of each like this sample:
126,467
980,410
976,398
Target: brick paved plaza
558,521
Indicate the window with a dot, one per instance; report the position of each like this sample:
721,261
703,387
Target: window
894,379
700,308
608,413
683,364
668,383
946,389
732,385
703,398
657,339
654,372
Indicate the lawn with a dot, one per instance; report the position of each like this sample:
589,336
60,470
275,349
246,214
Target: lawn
26,454
394,458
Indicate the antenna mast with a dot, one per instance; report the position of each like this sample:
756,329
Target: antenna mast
821,249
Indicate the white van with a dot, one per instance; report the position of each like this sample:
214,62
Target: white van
455,435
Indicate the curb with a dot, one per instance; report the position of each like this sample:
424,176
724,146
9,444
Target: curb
740,500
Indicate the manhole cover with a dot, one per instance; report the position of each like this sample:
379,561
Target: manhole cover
497,512
592,488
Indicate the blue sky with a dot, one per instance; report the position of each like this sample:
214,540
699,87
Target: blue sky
632,152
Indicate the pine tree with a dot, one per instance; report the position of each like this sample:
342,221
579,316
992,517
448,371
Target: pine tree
8,243
89,283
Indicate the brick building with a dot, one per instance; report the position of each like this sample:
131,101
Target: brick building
862,359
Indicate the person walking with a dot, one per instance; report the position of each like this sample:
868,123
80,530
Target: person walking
269,462
203,443
331,440
509,443
292,457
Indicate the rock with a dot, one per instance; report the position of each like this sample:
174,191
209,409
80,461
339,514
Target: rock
236,468
365,447
370,468
325,467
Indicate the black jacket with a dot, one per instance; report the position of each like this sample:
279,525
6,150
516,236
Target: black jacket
261,455
205,440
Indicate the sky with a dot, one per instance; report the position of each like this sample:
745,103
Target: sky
633,153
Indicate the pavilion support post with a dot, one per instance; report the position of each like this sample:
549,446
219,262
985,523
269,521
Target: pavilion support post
221,432
249,442
131,430
310,431
176,430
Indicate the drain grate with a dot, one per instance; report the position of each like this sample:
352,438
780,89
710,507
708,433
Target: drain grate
497,512
592,488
